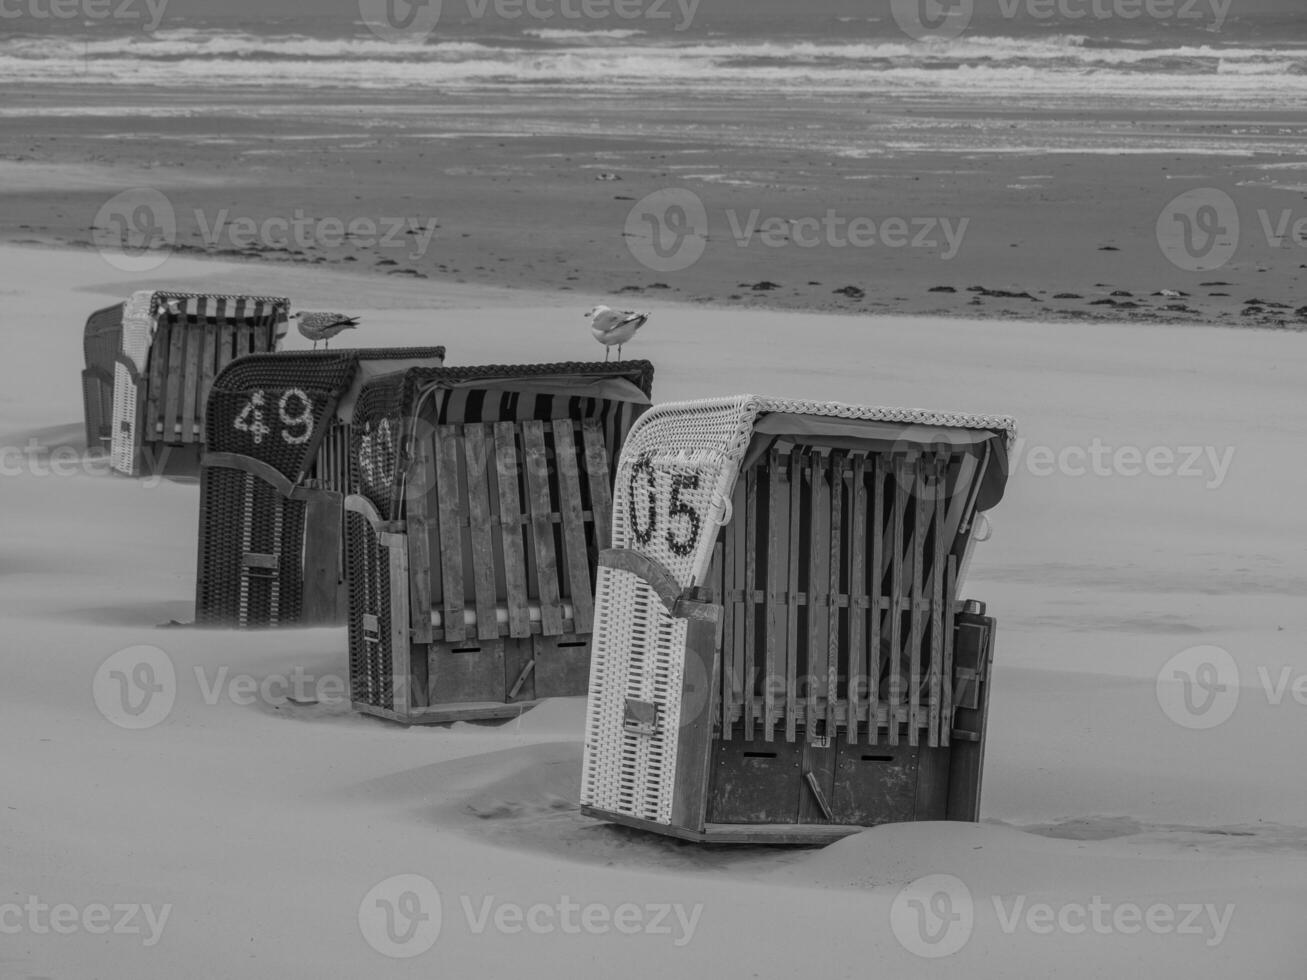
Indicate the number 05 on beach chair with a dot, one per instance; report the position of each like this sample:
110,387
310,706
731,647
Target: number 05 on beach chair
484,499
780,654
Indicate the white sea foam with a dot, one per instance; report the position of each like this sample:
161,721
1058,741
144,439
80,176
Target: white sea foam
1052,67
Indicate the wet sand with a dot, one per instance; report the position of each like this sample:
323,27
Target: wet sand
538,193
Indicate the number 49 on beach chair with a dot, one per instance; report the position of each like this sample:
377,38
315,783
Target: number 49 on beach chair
484,500
274,481
780,651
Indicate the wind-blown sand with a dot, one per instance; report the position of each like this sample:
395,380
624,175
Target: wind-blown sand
265,825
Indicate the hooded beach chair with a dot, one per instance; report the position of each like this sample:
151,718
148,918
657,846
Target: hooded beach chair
273,484
484,499
780,651
151,361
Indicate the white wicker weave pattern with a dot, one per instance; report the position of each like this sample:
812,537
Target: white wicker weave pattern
139,326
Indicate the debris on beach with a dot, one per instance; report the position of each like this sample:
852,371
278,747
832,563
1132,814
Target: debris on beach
852,292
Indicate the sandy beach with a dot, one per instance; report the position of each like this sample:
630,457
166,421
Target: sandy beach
1098,227
263,824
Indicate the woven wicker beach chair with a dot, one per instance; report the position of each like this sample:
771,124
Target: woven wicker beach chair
274,481
151,361
484,500
780,651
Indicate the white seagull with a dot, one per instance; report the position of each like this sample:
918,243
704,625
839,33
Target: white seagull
323,326
613,328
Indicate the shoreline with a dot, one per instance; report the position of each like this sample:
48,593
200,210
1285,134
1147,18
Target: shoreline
565,196
474,292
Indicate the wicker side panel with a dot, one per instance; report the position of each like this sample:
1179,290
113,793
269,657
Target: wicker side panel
371,664
639,654
97,399
250,574
124,435
374,445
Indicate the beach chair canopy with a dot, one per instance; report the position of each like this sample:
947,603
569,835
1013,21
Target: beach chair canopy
393,411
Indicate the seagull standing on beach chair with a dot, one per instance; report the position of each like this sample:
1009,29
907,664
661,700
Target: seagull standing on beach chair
613,328
323,326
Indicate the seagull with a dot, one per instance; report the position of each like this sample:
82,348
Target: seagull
613,328
324,326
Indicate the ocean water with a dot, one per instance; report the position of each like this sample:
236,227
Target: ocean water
1151,52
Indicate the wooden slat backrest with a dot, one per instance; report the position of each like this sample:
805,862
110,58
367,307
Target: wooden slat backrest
479,527
192,374
449,506
514,552
777,604
598,472
838,596
750,585
733,628
575,549
542,527
520,489
859,708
